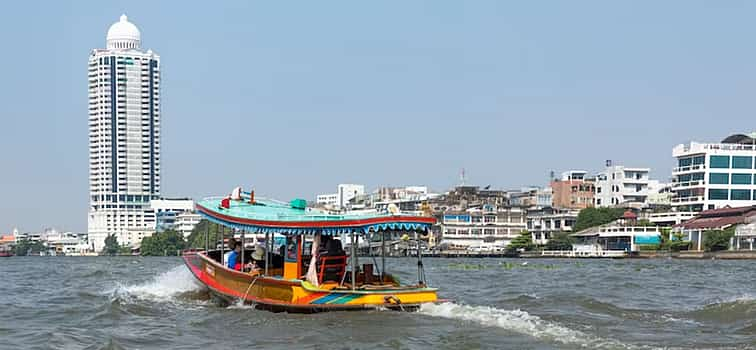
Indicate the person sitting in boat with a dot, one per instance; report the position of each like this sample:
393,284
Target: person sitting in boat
234,259
277,259
258,258
231,245
333,248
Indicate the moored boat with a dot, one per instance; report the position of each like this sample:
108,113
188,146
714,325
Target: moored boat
310,272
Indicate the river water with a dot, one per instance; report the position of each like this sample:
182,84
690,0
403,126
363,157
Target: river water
155,303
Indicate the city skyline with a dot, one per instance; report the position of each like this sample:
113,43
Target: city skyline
325,93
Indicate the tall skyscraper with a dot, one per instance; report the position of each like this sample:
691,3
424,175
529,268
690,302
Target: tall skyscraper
124,137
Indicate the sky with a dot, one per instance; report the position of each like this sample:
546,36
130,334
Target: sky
293,98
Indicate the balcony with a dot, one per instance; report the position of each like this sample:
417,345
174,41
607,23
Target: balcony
688,184
683,169
685,200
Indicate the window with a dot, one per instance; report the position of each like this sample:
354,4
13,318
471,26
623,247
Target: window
741,179
697,177
740,195
684,178
697,160
719,178
741,162
717,194
719,162
684,162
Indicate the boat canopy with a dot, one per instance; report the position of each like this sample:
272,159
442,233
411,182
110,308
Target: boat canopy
265,215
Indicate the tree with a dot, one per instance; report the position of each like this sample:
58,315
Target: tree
164,243
675,243
559,241
196,239
716,240
111,246
522,242
591,217
644,222
27,247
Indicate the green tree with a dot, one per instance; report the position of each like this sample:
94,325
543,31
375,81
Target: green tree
196,239
644,222
716,240
675,242
111,246
523,241
591,217
27,247
169,242
560,241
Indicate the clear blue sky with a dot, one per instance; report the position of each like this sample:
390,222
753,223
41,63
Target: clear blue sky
296,97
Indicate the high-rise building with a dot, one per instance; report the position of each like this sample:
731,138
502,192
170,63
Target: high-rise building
715,175
124,137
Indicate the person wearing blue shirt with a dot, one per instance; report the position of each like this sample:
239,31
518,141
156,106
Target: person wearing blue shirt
234,259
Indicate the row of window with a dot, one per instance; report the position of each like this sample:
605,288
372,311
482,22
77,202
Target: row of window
124,198
697,160
719,162
476,231
734,179
735,195
734,162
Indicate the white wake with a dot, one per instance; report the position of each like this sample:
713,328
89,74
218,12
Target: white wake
163,287
518,321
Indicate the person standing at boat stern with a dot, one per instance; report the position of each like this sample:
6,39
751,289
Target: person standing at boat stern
234,259
231,245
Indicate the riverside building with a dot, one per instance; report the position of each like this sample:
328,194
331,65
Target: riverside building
618,185
574,190
715,175
124,137
487,224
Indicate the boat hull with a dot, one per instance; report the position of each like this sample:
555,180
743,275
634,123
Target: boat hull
277,294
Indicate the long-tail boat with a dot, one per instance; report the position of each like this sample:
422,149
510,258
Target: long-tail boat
288,281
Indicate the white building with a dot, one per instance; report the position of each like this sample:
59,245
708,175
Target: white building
66,243
659,193
714,175
124,137
543,223
488,224
186,221
344,193
327,199
618,185
175,214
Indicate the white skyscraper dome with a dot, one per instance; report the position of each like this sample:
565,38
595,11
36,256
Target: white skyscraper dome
123,35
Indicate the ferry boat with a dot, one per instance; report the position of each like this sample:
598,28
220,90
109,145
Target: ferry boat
305,274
